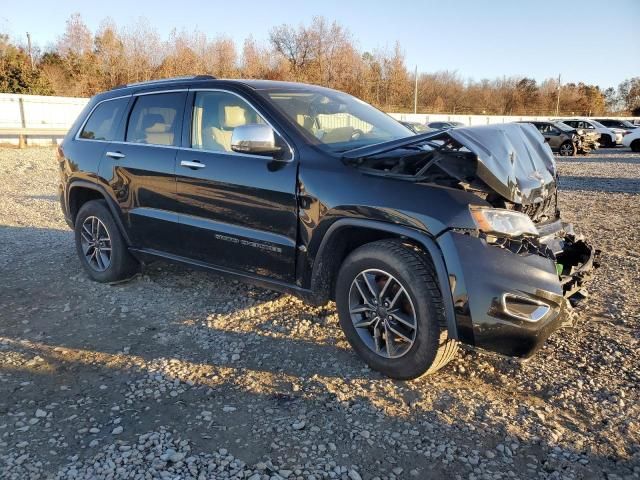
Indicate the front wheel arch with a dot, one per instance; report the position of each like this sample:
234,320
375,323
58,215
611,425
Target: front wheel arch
329,258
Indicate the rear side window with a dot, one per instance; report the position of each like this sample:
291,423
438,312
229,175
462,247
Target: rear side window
104,120
155,119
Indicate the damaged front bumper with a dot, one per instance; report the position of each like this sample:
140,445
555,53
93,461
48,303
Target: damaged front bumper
510,297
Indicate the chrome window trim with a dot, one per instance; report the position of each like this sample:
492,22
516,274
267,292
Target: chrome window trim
291,150
155,92
84,123
189,149
239,154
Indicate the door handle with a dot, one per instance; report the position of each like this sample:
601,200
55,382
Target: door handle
115,155
188,164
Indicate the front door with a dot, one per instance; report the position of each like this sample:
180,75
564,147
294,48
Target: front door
238,211
141,171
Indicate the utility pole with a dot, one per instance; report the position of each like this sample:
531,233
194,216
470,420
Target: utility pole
558,97
29,49
415,92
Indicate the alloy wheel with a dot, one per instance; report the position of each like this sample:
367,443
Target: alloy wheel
382,313
566,149
96,244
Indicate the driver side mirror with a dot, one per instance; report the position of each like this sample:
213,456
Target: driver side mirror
256,139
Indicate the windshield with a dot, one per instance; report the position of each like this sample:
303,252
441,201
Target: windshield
335,121
563,126
597,124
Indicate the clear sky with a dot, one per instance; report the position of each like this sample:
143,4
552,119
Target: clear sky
595,41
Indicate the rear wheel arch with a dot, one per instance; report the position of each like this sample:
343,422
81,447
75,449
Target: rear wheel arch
346,235
81,192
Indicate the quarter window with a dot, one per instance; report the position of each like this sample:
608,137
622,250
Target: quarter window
104,120
155,119
215,116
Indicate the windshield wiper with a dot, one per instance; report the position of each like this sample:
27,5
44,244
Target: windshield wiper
383,147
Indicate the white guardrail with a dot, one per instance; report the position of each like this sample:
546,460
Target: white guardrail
44,120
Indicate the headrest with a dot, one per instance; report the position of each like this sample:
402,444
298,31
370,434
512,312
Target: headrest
234,116
154,123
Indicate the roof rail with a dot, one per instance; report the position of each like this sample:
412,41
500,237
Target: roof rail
167,80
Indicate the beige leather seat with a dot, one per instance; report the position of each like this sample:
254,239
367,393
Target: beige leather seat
159,134
305,121
156,130
232,116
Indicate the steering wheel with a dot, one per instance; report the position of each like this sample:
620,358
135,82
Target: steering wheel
356,134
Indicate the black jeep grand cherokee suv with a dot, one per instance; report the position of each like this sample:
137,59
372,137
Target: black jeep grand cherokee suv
423,241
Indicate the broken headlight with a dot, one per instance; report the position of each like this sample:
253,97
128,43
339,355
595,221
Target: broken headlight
501,222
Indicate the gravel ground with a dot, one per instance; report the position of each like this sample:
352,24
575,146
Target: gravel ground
179,374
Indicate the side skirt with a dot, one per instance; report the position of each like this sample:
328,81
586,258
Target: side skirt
145,255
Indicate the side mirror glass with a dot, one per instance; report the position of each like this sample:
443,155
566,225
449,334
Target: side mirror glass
256,139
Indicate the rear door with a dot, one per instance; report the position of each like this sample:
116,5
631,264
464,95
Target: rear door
141,169
239,211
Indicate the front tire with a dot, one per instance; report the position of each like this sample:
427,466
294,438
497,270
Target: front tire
390,309
101,248
568,149
635,146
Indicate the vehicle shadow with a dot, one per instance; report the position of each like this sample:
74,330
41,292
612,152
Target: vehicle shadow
163,346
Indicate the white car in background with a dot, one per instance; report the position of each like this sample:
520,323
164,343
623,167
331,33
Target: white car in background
609,137
632,140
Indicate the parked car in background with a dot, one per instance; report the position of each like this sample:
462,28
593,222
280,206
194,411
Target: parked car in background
423,241
590,138
632,140
444,125
564,139
416,127
609,137
615,123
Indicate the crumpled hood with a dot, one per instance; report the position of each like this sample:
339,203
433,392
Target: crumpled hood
513,159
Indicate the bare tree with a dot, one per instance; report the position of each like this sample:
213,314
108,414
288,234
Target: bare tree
321,52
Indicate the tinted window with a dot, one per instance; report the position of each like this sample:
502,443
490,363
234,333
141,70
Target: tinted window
215,116
155,119
104,120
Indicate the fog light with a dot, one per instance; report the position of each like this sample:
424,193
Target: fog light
524,308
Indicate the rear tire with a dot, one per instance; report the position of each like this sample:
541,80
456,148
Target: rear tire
568,149
101,248
635,146
423,349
